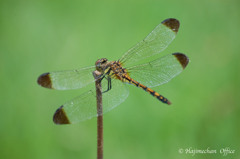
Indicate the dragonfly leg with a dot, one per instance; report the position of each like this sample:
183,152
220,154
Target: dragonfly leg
109,84
102,78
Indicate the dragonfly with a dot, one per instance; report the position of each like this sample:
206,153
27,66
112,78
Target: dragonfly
130,69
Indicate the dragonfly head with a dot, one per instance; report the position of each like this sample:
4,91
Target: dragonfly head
101,64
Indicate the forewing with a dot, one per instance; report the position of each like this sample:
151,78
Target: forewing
154,43
85,107
159,71
65,80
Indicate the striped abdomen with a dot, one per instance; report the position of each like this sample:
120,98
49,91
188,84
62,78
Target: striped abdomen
150,91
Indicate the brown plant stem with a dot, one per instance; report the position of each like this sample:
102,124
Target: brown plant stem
100,115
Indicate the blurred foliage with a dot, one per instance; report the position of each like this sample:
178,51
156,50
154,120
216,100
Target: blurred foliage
42,36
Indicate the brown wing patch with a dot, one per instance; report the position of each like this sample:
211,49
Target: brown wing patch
183,59
172,23
60,117
45,81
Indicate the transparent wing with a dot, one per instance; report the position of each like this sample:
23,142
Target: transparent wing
85,107
159,71
65,80
154,43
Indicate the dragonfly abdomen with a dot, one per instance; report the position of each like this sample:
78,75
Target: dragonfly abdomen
149,90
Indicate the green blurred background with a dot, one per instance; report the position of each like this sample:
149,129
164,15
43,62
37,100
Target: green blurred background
42,36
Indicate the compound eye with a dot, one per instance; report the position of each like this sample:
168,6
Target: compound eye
104,60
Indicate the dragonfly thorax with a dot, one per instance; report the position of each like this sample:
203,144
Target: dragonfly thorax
112,69
115,70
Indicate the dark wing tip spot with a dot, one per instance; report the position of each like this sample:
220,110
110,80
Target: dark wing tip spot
60,117
44,80
183,59
172,23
